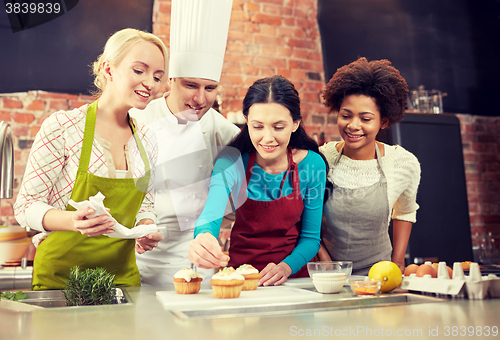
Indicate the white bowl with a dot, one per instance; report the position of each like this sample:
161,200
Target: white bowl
13,250
329,276
330,267
328,287
12,233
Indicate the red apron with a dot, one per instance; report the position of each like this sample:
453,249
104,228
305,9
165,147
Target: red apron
268,231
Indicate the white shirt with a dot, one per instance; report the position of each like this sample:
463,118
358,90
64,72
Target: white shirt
186,155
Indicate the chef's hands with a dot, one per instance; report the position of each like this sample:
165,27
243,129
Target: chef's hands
275,274
205,252
91,226
147,242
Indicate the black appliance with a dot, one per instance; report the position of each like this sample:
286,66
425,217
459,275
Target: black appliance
442,231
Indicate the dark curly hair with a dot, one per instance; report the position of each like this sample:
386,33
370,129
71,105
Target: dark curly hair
376,79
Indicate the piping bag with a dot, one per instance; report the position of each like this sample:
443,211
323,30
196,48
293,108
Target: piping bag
96,203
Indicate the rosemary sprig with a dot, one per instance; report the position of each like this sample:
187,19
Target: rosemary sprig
89,287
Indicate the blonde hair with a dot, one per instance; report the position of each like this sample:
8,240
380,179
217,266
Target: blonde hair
115,49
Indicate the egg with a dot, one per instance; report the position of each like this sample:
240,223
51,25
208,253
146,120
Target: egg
412,268
425,269
450,271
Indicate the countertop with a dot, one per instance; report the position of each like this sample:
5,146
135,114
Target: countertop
146,318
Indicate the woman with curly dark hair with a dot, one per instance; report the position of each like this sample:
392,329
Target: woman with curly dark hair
372,181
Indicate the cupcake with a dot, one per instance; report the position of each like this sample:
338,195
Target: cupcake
227,284
187,281
251,275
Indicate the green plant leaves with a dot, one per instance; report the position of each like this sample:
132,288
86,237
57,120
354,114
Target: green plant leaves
89,287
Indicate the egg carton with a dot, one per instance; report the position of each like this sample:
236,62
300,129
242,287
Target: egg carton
473,286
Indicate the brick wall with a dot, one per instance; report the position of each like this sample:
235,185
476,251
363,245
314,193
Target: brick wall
269,37
481,146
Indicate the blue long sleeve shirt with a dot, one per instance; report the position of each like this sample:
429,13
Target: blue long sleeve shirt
228,177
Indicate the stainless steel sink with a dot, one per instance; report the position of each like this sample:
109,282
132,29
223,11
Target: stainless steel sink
349,302
55,298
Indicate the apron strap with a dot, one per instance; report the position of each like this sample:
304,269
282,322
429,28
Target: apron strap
383,179
292,166
88,139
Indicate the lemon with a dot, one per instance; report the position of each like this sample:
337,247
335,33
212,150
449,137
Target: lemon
388,272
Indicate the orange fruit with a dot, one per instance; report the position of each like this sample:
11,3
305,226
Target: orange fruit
389,273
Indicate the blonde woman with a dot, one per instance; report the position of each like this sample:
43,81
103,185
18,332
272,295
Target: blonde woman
91,149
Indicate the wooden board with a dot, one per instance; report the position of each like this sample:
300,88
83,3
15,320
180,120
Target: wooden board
263,295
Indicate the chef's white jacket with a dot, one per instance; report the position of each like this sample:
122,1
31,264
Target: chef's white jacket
186,155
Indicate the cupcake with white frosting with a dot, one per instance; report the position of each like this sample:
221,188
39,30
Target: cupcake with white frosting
251,275
187,281
227,284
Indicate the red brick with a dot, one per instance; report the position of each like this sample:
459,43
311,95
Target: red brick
5,116
249,81
55,95
311,96
301,43
284,51
239,36
270,9
36,105
251,27
12,103
284,72
317,56
312,66
20,130
305,24
73,104
24,118
239,16
162,18
236,46
289,21
293,64
268,30
251,7
231,79
268,61
309,4
300,53
250,70
268,50
231,68
164,7
6,210
237,58
267,40
276,2
33,131
161,29
299,13
56,105
237,26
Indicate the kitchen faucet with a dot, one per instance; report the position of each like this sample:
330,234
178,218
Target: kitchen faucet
6,161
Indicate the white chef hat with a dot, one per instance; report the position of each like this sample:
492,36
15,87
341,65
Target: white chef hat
198,36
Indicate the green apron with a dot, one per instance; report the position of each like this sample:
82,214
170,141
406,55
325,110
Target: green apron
62,250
